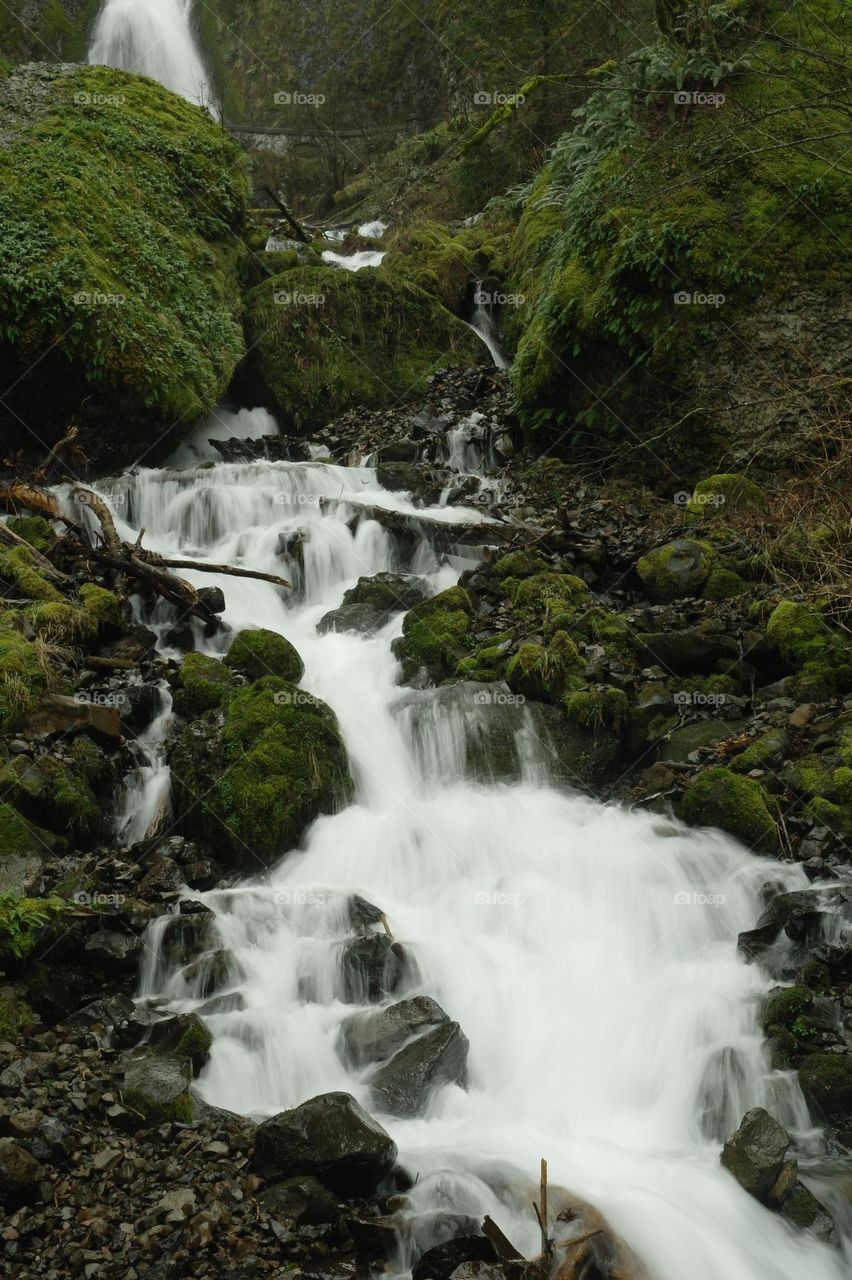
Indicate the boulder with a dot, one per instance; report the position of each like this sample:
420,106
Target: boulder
826,1082
692,651
373,601
402,1086
756,1154
110,947
20,1175
329,1137
212,973
183,1036
373,1037
57,713
304,1202
259,653
156,1088
372,968
801,914
440,1262
678,569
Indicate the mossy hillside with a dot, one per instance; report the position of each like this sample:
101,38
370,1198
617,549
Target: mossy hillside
325,340
819,656
436,636
717,797
121,208
642,200
19,838
252,779
259,653
57,794
428,256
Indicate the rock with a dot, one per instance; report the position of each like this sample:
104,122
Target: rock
59,714
677,569
801,914
691,737
428,423
258,653
20,1175
826,1082
157,1088
300,1201
21,875
372,967
717,797
402,1086
113,948
210,973
440,1262
371,603
373,1037
187,934
329,1137
802,1209
213,598
693,651
164,878
183,1036
176,1204
756,1153
363,913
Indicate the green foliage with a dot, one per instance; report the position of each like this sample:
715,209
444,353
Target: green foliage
22,921
34,529
435,634
820,656
120,212
596,709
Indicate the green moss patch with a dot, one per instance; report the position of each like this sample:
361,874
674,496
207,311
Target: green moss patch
254,654
435,636
719,798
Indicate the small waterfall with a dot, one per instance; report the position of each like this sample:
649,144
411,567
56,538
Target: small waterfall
145,806
484,326
152,38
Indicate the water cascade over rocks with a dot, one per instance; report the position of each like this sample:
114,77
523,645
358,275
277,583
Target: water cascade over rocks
152,38
587,955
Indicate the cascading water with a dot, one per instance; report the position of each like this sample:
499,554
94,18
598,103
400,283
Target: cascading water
152,38
588,953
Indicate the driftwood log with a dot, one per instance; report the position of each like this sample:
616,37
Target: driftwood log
130,562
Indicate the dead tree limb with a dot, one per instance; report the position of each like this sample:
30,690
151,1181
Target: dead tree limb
505,1249
299,232
229,570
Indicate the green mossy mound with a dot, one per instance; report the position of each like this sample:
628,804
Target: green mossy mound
34,529
678,569
722,495
55,793
121,211
426,255
820,657
259,653
595,709
435,636
205,683
325,340
545,673
719,798
250,780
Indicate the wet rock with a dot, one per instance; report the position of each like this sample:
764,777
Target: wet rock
300,1201
156,1088
756,1154
695,650
183,1036
802,1209
802,915
109,946
258,653
212,972
372,602
372,967
213,598
59,714
330,1137
428,423
440,1262
363,913
20,1175
165,877
187,934
373,1037
678,569
826,1082
402,1087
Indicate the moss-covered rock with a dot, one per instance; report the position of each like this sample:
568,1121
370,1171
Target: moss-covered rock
24,675
252,778
603,707
719,798
259,653
678,569
545,598
519,564
205,683
544,673
156,1089
325,340
57,794
435,636
765,752
121,207
826,1082
721,495
820,656
427,255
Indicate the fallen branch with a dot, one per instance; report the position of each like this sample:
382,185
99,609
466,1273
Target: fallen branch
505,1249
228,569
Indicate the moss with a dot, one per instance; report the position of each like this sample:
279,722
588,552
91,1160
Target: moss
427,255
721,495
205,683
719,798
435,635
678,569
325,340
15,1017
17,569
23,677
722,584
120,208
765,752
600,708
258,653
519,564
545,673
487,663
820,656
56,793
786,1008
19,837
544,592
102,605
826,1082
35,530
253,785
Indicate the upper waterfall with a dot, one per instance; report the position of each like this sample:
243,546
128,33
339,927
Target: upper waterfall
152,38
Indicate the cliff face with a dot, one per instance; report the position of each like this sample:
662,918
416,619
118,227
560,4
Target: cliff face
46,30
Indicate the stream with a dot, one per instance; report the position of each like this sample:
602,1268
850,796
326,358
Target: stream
588,953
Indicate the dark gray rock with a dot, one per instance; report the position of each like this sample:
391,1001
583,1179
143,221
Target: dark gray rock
372,602
374,1037
212,973
156,1089
329,1137
402,1086
300,1201
20,1175
372,967
111,947
183,1036
756,1155
440,1262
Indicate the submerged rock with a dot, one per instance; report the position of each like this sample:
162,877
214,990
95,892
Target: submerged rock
372,602
372,967
372,1037
329,1137
402,1087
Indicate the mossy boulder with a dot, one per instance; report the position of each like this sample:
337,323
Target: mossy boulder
793,1024
543,595
826,1082
519,564
428,256
724,494
156,1089
251,778
56,793
205,683
121,207
601,708
435,636
259,653
324,340
678,569
545,672
765,752
820,657
718,797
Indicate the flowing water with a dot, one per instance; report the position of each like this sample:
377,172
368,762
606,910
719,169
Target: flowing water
588,953
152,38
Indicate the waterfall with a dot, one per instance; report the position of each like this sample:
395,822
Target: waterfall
588,953
152,38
